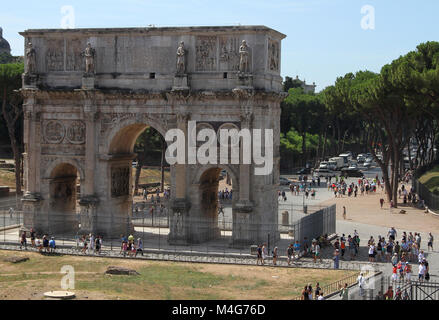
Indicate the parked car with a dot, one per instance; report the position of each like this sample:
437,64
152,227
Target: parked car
304,171
352,173
353,166
369,163
284,181
323,165
361,158
324,173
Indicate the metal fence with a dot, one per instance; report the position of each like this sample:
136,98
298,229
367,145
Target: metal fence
431,200
217,238
413,290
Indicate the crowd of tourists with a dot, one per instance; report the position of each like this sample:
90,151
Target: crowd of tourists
294,251
130,247
46,244
309,294
225,194
89,244
362,187
156,199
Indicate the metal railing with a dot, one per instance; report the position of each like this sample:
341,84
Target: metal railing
216,238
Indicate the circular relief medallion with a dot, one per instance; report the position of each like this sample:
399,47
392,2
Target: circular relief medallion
76,132
54,132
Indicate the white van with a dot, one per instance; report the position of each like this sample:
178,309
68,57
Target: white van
339,161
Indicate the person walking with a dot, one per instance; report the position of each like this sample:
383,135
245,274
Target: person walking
52,245
430,242
259,252
316,251
344,212
336,259
139,247
289,254
274,256
342,245
98,243
23,241
361,284
264,253
344,293
32,237
317,291
421,272
91,243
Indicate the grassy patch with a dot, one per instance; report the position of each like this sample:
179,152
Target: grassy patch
156,279
431,180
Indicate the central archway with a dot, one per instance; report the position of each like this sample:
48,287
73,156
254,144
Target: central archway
118,167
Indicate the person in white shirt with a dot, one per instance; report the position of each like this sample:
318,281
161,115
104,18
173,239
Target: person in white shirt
371,252
361,283
321,297
421,256
422,270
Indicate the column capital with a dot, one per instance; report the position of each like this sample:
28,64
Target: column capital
183,117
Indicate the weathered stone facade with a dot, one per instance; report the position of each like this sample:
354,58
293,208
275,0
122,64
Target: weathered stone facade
89,121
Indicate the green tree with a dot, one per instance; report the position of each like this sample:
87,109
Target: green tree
12,110
149,146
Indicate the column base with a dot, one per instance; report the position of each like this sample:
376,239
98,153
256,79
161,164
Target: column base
178,222
180,83
88,81
88,214
30,81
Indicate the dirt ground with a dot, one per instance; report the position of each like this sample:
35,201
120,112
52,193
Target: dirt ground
157,280
366,209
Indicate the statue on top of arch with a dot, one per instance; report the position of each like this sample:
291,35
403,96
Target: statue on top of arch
89,54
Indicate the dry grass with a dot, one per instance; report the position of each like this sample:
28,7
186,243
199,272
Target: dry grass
152,175
157,280
7,178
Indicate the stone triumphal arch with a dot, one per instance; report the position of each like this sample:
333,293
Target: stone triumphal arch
89,93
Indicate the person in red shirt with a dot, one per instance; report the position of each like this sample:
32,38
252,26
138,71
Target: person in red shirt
389,294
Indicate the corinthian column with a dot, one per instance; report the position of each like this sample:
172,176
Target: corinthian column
180,169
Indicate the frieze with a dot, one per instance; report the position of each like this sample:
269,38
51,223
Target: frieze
273,55
55,55
120,181
54,132
74,58
205,53
110,120
76,132
229,53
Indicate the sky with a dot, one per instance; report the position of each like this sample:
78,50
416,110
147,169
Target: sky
325,38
